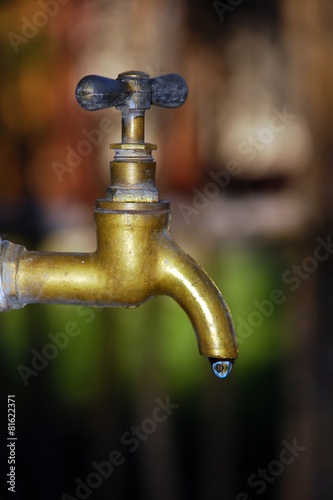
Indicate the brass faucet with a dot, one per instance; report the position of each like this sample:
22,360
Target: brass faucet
136,258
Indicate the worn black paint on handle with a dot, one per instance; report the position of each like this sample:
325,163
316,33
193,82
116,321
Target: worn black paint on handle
96,92
169,91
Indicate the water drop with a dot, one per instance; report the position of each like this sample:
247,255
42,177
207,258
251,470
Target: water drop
221,368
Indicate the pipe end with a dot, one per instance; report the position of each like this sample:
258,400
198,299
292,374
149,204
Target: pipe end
3,303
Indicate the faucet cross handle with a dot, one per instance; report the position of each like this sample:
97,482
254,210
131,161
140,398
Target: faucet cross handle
132,93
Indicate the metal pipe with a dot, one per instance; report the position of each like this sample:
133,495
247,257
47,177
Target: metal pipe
136,260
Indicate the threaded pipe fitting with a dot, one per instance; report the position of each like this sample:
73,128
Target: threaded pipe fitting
9,260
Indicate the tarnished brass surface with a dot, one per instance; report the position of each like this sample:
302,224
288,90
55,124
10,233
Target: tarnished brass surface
136,258
142,147
133,128
132,181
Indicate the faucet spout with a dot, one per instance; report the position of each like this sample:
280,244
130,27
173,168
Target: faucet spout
136,259
187,283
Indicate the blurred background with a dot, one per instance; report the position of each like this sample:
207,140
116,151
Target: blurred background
247,166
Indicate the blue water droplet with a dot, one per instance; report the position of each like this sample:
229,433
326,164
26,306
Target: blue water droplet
222,368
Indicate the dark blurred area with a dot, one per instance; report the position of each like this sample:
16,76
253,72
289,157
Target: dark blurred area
247,166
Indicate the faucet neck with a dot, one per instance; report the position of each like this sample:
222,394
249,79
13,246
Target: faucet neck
133,174
133,92
137,100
